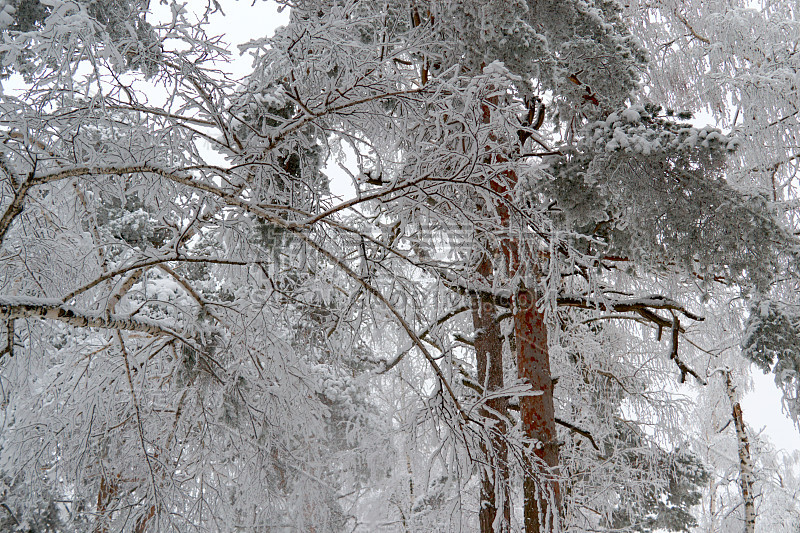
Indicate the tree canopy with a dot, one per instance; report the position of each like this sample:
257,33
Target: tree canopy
542,266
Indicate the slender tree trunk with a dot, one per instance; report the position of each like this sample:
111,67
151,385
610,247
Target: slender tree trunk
746,476
712,505
489,354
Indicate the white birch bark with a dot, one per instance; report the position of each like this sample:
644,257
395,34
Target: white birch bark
746,475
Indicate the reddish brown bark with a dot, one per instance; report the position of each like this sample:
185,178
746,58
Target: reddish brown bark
537,413
533,366
141,523
107,492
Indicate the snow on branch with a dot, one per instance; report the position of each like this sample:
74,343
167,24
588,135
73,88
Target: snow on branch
643,306
52,309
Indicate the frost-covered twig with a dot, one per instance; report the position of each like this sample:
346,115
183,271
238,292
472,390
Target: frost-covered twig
438,322
9,349
152,262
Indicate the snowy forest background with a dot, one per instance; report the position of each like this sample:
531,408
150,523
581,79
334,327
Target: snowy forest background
397,265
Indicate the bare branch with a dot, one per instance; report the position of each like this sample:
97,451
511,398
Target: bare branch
689,27
579,431
438,322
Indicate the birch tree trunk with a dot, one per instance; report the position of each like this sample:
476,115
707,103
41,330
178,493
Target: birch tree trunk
746,476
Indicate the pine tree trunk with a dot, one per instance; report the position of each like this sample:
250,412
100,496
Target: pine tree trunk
542,499
746,476
541,494
489,354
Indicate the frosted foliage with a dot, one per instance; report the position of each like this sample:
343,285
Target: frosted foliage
739,61
610,181
117,27
543,42
197,334
215,344
780,510
637,483
6,14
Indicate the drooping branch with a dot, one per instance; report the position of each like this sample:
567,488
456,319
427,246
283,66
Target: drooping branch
299,231
397,315
140,426
10,512
56,310
644,308
684,368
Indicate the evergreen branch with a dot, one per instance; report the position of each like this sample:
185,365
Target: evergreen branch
642,306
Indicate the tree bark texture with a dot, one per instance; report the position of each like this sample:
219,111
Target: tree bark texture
542,498
105,495
489,355
541,504
746,476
